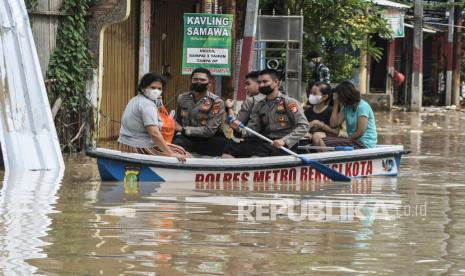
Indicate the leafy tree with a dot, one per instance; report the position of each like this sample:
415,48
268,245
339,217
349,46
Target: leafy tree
69,67
336,28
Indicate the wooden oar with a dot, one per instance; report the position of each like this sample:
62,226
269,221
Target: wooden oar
323,169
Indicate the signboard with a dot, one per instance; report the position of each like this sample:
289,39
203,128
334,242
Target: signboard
395,19
207,43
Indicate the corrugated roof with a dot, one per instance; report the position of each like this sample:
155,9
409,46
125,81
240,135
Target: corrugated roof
425,29
391,4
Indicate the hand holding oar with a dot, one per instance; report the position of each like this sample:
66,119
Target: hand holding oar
323,169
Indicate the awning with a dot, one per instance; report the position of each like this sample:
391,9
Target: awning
425,29
391,4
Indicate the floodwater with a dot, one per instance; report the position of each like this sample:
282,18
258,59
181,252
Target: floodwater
52,224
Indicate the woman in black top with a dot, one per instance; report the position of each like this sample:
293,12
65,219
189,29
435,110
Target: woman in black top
319,112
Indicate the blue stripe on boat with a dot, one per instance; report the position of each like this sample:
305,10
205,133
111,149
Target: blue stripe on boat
114,171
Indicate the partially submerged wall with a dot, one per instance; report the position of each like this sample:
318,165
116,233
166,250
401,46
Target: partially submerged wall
103,14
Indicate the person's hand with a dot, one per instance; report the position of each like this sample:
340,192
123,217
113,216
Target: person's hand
177,127
180,157
235,124
228,103
316,124
308,136
279,143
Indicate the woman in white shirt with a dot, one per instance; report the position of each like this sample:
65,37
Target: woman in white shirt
141,123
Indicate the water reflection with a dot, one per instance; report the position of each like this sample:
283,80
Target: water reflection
193,228
26,200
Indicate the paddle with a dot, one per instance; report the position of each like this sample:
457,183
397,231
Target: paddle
323,169
336,148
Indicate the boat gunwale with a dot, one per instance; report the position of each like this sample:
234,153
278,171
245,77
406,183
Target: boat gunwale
246,166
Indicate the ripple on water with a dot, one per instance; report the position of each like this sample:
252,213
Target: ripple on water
85,227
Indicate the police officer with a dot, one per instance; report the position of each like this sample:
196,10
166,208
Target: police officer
253,97
277,117
319,72
199,115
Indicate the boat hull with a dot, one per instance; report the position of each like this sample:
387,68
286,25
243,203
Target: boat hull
117,166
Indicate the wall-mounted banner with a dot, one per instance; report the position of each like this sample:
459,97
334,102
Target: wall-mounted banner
395,19
207,43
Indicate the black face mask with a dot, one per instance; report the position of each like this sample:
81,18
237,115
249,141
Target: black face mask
266,90
199,87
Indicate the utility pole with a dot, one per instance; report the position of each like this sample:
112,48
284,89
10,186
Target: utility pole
449,53
144,37
457,56
363,71
417,66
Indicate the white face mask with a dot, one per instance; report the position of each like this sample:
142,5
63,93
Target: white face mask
152,94
314,99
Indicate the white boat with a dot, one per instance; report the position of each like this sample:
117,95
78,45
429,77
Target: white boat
114,165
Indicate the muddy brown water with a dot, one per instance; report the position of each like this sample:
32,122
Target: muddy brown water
412,224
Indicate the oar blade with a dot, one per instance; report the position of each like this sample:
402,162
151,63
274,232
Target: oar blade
325,170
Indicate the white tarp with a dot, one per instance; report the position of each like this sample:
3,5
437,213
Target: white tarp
27,133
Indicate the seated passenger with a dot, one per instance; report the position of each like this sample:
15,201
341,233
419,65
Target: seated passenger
253,97
140,123
359,117
319,113
199,116
278,117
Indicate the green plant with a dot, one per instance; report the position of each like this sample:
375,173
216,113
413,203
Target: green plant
331,25
342,66
32,4
69,67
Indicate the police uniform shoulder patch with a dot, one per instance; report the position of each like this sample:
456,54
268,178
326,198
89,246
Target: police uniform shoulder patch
293,107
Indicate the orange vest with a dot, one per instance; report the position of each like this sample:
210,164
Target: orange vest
167,129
